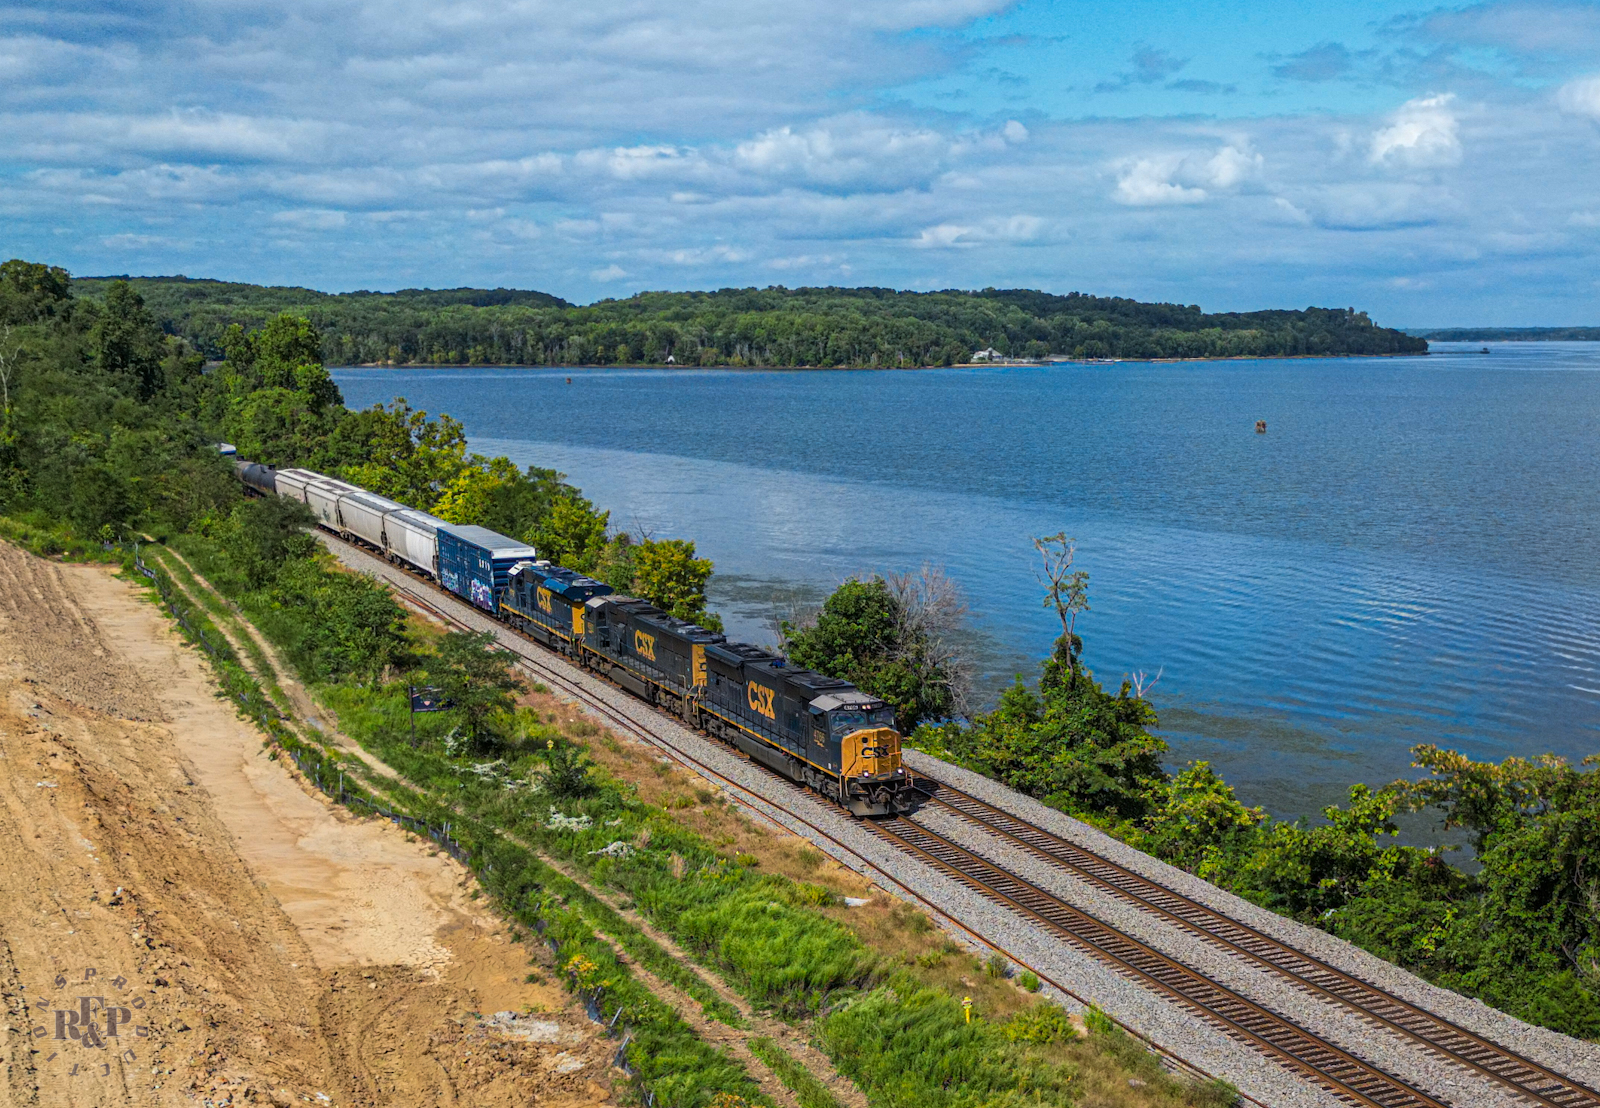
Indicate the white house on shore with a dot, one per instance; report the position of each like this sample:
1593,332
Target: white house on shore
988,355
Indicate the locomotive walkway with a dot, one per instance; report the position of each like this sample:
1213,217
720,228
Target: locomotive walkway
1318,1033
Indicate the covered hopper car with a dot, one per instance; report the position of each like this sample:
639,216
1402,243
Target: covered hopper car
817,730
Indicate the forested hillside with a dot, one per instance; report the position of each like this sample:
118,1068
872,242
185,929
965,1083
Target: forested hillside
749,327
1512,334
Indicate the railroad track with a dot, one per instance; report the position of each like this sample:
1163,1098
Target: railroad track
1343,1075
1521,1076
1314,1059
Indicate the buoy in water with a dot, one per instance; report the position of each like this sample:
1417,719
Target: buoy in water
1261,426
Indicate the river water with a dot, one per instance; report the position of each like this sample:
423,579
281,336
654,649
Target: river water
1407,555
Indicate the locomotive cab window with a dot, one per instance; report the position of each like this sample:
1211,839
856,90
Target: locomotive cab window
847,720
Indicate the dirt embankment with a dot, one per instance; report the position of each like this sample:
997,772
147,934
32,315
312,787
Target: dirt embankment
245,941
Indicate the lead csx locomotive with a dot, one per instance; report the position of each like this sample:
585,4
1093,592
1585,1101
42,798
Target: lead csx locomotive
811,728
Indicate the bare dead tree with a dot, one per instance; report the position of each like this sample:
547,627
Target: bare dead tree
932,608
1142,683
1066,589
9,352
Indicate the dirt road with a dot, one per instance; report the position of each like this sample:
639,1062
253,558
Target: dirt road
184,923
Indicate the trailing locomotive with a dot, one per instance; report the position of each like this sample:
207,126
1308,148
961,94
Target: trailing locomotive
818,730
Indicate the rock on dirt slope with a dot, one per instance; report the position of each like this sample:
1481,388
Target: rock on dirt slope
245,941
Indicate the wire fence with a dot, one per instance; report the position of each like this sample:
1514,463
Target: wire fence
329,778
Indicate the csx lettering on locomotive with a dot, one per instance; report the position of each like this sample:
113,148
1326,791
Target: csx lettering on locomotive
834,738
760,700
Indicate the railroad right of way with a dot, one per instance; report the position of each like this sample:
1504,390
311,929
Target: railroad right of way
971,910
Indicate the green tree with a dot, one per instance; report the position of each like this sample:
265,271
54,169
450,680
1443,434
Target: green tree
573,534
31,292
478,679
264,533
566,771
281,427
867,633
102,504
350,626
467,497
127,342
668,575
1199,818
1070,744
284,354
408,456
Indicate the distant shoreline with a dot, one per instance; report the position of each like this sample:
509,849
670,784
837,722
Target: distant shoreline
1018,364
1510,334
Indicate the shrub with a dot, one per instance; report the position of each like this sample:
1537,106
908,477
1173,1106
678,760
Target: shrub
1043,1023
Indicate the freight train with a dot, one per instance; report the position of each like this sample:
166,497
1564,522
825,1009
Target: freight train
817,730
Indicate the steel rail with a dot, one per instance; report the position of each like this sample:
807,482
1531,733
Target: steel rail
1522,1076
1396,1092
1318,1061
755,801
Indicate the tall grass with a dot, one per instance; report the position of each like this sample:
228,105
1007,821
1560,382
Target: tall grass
807,1090
905,1044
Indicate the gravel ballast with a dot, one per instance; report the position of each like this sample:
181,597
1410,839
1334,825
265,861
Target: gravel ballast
1561,1053
962,912
1381,1047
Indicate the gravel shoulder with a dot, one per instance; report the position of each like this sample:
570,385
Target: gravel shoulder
1336,1023
1561,1053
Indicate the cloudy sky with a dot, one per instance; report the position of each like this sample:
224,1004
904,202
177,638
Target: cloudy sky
1433,165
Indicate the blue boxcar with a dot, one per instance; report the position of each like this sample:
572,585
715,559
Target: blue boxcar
475,562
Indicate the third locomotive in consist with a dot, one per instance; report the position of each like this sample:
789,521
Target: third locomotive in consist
820,731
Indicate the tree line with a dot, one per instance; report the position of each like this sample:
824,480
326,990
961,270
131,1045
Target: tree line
1512,334
110,428
775,326
1516,925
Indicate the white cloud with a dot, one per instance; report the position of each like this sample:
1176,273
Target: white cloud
713,142
946,235
1422,133
1230,167
632,163
1581,97
1378,205
860,150
1148,181
1009,229
1186,178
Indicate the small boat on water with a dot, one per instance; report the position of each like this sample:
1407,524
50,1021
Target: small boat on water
1485,350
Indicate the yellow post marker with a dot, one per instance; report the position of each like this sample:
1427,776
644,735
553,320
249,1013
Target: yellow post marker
966,1006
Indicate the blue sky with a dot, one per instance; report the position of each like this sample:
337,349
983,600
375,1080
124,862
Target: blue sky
1435,166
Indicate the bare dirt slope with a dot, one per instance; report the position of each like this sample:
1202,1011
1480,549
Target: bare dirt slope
246,941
